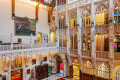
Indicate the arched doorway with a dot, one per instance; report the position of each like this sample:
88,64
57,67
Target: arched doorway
76,69
59,62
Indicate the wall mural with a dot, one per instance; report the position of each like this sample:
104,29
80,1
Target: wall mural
25,26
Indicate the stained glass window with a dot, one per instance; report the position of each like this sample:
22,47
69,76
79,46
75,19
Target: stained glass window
88,67
103,71
48,1
70,1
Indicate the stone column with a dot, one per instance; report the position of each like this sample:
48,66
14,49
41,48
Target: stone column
93,42
67,33
79,36
57,29
68,40
11,41
111,38
93,50
9,70
23,66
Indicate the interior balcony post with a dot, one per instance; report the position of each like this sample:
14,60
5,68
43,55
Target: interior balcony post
93,42
111,47
111,10
93,50
67,33
23,66
79,37
9,70
111,38
79,31
57,30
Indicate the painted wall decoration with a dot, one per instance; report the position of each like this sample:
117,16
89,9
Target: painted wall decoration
70,1
83,2
25,26
61,8
73,5
48,1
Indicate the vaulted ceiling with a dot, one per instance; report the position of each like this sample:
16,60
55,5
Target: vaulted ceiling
49,3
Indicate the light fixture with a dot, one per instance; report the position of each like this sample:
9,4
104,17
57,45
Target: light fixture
29,2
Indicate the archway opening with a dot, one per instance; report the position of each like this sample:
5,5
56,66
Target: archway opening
76,69
59,63
17,71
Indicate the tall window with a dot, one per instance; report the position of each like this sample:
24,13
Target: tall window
88,68
102,18
86,20
103,71
102,42
117,14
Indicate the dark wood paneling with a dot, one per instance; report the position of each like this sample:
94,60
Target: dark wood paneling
41,71
70,71
84,76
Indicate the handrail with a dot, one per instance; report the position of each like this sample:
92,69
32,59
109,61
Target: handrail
116,55
102,54
25,46
74,51
86,53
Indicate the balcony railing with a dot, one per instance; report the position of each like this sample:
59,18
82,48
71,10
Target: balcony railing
25,46
102,29
117,28
73,31
102,54
74,51
116,55
86,30
86,53
62,50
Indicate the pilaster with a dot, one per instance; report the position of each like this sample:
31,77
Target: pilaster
93,42
111,38
67,33
57,29
79,36
9,70
23,66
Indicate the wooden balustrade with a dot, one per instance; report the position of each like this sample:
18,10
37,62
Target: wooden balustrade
62,50
86,53
102,29
74,51
117,56
102,54
25,46
116,28
86,30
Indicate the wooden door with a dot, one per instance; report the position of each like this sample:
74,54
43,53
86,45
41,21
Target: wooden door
70,71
